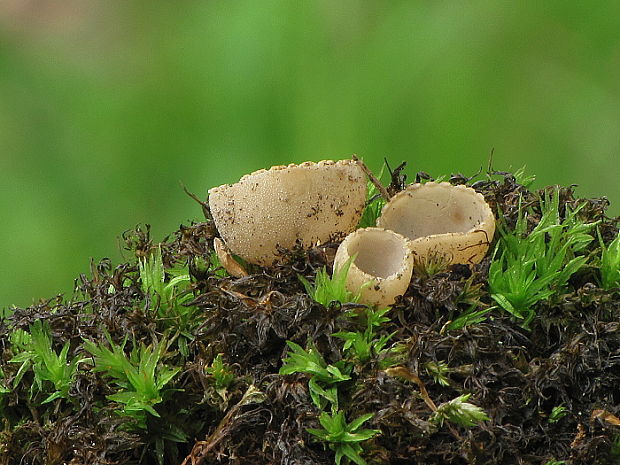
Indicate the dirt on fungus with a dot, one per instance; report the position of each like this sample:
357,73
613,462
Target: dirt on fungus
570,357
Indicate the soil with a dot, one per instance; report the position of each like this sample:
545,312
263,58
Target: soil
568,357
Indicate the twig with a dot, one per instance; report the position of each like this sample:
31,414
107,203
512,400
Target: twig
403,372
205,205
201,449
373,179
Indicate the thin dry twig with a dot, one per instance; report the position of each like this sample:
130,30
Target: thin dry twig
201,449
373,179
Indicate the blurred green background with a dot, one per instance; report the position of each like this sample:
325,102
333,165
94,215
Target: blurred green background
105,107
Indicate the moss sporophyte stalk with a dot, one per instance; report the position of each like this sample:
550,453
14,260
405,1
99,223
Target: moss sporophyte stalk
498,348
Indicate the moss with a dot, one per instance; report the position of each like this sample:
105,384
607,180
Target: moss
241,330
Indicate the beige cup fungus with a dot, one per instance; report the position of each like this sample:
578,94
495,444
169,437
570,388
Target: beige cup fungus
381,268
439,219
308,203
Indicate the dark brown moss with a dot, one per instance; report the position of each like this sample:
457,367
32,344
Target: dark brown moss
570,357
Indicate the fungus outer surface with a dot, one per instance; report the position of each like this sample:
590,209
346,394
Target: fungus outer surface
383,258
306,203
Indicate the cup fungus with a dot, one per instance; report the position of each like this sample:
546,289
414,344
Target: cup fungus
453,223
310,203
381,268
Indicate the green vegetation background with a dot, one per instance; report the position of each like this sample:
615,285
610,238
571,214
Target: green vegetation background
106,106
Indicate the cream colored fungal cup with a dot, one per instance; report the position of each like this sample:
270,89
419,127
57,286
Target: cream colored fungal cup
382,267
441,220
308,204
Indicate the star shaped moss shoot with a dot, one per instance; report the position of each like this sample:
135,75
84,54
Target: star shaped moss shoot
168,293
34,350
140,378
460,412
328,289
344,438
323,377
222,376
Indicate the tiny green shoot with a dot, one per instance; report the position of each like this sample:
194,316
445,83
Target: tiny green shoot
363,345
460,412
344,438
165,297
328,289
526,180
438,371
170,300
427,266
557,412
610,263
34,350
222,376
323,377
374,205
5,312
471,316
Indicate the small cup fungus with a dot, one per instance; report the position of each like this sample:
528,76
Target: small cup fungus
440,219
381,268
307,203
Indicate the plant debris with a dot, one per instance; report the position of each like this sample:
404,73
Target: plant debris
168,359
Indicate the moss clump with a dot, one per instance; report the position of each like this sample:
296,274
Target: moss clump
169,360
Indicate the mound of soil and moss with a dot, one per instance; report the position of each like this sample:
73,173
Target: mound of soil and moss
166,359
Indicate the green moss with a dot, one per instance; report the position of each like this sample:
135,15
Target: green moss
165,358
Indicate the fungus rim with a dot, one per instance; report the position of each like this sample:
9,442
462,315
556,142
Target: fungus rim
382,290
446,240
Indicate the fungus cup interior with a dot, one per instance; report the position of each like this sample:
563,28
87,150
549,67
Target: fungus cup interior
377,253
430,209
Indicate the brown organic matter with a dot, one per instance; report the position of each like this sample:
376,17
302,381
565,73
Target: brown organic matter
569,356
